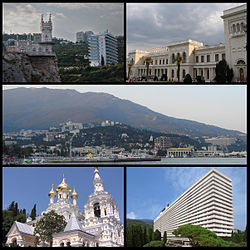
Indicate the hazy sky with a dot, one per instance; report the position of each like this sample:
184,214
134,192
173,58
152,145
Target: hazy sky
223,106
154,24
67,18
29,186
149,189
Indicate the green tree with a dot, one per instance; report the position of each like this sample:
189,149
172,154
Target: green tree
148,60
51,223
223,72
164,237
178,59
155,244
156,235
199,236
33,212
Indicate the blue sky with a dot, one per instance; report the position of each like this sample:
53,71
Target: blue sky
155,24
67,18
150,189
223,106
31,185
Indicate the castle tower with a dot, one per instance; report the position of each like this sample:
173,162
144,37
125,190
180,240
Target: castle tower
102,214
45,45
46,29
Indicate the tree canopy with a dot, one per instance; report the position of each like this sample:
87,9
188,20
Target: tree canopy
51,223
200,236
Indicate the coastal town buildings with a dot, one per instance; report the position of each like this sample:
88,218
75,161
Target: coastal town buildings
98,225
208,203
102,49
197,59
82,37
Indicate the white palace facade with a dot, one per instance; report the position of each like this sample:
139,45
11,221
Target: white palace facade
207,203
99,224
198,60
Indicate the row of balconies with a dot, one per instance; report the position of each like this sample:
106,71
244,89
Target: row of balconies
192,188
199,206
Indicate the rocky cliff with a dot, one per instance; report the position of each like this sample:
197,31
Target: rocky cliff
20,67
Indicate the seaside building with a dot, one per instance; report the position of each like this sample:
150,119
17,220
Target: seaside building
102,49
162,142
197,59
98,225
41,44
83,36
208,203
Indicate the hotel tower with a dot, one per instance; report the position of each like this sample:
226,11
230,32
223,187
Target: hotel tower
207,203
102,49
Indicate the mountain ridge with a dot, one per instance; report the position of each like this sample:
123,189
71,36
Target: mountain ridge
46,107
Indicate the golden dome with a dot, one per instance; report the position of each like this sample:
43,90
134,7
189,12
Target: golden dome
63,186
52,192
74,194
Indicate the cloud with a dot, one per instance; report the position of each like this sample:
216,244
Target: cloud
131,215
154,23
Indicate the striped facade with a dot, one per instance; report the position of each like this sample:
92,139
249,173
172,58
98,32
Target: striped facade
102,49
208,203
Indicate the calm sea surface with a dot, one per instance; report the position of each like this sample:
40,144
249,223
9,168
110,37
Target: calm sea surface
173,161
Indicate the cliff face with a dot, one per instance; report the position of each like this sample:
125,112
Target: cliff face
19,67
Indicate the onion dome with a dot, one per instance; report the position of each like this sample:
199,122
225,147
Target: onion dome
52,192
74,194
63,186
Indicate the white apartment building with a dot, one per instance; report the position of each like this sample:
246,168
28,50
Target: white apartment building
103,49
207,203
198,60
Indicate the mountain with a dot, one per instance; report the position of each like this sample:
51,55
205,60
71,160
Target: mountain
39,108
140,221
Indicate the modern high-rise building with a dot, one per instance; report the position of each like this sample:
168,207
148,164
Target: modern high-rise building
102,49
207,203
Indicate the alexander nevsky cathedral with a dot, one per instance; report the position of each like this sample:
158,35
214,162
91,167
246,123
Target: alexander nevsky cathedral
197,59
99,224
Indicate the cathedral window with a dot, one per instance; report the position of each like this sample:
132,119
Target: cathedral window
216,57
238,27
208,58
97,210
202,59
197,59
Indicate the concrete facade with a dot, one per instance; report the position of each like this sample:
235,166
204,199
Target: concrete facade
102,49
208,203
198,60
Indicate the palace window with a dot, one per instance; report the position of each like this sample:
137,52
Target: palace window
184,57
223,56
202,59
197,59
234,28
207,73
172,73
155,62
166,61
173,59
160,62
216,57
208,58
163,61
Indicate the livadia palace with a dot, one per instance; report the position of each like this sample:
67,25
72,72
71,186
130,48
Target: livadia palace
197,59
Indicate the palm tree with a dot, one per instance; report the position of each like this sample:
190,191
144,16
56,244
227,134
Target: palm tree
178,59
148,60
129,69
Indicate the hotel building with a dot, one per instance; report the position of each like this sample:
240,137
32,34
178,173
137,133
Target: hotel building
102,49
207,203
197,59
